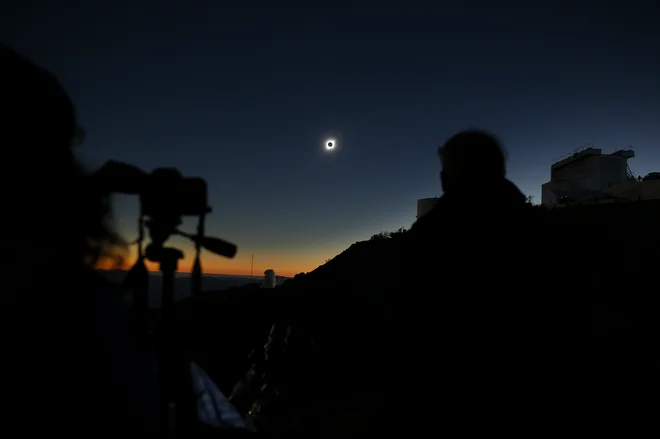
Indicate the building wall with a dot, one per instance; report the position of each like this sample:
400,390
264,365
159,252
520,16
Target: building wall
612,170
594,172
589,170
634,190
547,196
582,169
628,190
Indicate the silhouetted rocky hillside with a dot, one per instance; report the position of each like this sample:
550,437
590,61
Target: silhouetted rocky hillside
615,247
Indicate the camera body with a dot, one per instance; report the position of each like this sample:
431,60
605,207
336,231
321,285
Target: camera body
167,195
164,193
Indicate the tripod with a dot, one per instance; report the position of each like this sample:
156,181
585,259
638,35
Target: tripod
168,261
169,372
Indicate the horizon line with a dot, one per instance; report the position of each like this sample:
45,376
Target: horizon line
190,272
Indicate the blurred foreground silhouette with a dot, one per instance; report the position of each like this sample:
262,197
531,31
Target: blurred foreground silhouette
70,363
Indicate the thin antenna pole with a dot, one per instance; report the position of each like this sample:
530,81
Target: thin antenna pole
252,267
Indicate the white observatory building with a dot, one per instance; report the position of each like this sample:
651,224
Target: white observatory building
270,280
588,175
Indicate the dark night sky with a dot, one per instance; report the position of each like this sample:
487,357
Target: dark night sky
246,97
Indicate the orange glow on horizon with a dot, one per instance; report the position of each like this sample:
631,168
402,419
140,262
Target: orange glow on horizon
284,264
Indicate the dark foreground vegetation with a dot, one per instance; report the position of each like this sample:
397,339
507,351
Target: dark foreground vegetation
343,379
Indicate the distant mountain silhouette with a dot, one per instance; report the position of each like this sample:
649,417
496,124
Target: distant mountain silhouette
182,287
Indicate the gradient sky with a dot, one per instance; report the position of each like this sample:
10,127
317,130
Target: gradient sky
245,98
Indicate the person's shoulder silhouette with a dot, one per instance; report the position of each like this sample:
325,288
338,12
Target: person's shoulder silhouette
473,179
467,263
479,216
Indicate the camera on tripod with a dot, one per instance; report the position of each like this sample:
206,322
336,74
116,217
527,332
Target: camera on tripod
165,197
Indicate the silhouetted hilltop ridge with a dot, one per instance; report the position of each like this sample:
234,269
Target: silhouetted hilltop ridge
631,226
363,263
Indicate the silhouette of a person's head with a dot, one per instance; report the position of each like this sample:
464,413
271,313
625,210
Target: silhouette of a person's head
48,198
469,159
